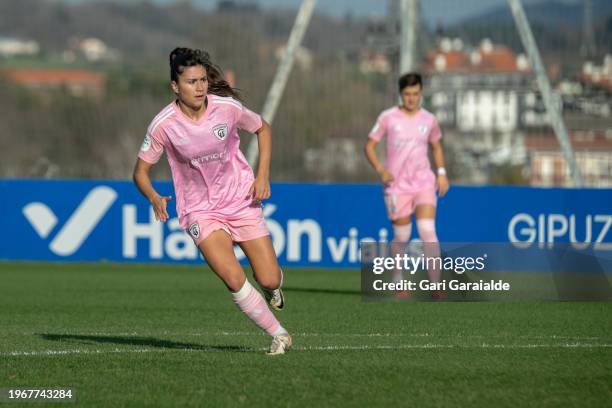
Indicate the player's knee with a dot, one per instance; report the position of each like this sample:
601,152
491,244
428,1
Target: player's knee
427,230
270,282
234,281
401,233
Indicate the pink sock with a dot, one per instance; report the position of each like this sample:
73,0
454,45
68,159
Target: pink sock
431,246
401,236
255,307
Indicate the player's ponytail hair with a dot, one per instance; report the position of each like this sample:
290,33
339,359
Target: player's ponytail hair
181,58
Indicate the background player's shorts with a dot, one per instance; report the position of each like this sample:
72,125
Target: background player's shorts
249,227
402,205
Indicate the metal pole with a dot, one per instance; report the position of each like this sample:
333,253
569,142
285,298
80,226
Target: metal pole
588,39
408,15
282,72
544,85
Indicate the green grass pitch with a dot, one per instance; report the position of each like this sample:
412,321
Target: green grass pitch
135,335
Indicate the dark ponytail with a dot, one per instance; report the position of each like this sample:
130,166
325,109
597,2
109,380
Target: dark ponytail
181,58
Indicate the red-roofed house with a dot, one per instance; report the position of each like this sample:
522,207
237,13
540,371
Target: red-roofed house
598,76
78,82
593,151
486,58
486,89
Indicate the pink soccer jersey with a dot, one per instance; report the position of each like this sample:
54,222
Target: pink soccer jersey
407,145
211,175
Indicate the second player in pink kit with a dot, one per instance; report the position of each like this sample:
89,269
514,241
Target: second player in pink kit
218,198
410,185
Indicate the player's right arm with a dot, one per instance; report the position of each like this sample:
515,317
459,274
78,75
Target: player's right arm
143,182
376,134
150,153
370,152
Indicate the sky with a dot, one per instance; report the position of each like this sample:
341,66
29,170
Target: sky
434,11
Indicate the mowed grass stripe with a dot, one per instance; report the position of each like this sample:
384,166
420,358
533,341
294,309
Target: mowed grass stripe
166,335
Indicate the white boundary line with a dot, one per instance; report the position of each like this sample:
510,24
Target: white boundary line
450,346
75,351
315,348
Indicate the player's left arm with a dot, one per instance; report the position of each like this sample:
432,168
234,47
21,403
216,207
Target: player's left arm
260,190
438,157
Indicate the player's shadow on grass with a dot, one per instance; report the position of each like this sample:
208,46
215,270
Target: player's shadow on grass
143,341
322,290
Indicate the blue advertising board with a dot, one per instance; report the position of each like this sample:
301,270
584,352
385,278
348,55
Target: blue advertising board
310,224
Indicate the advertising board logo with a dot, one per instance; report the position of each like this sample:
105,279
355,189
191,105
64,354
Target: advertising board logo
524,230
79,225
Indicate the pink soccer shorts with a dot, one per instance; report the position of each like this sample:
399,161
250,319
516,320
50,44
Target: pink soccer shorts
402,205
246,228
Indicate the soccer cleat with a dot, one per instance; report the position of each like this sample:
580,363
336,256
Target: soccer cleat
280,345
402,295
438,295
275,298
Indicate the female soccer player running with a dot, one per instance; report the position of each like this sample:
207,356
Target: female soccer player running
409,183
218,199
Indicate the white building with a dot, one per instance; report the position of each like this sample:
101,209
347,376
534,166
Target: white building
11,47
487,89
593,152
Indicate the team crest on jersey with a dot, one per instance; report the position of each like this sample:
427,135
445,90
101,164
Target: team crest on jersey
423,129
194,230
146,143
221,131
